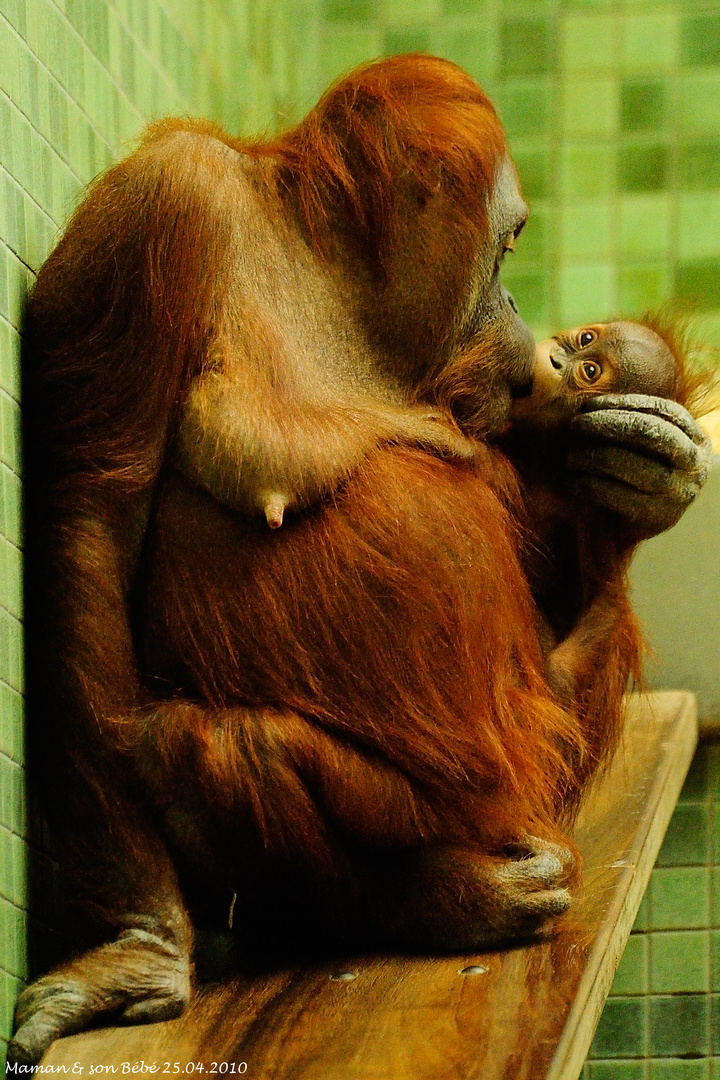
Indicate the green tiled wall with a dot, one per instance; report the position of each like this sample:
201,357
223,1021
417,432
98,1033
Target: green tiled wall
662,1019
78,79
613,112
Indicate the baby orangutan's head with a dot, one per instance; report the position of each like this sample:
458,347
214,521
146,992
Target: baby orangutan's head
603,358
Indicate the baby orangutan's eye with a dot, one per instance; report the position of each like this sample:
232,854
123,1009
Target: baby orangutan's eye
589,371
586,337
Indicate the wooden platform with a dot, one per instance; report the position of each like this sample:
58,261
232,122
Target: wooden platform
522,1014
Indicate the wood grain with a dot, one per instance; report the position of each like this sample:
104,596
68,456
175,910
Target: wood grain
525,1013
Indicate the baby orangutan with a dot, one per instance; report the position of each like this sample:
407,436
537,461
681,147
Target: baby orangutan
576,371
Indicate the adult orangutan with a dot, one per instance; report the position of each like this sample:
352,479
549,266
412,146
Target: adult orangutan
284,643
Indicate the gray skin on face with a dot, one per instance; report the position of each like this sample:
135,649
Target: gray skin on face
631,449
586,361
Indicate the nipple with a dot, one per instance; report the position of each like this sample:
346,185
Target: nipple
274,508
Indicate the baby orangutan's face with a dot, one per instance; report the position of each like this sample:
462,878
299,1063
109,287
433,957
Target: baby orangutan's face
603,358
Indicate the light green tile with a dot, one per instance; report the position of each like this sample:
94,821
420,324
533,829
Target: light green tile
587,231
587,293
649,40
700,102
699,225
577,32
645,225
590,108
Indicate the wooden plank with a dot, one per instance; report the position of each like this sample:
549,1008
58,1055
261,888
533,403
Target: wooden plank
526,1013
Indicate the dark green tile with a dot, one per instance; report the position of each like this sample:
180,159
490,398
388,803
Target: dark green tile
699,282
530,292
535,170
701,40
696,783
715,1023
622,1029
643,168
527,46
616,1070
686,841
350,10
643,106
524,109
712,756
403,39
700,166
679,1025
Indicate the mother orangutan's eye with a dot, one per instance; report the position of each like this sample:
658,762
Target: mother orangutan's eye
586,337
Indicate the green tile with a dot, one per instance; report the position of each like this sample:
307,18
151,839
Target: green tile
622,1029
474,48
527,47
645,226
409,11
586,230
679,898
524,109
642,287
354,10
12,728
701,40
343,46
700,165
535,168
649,40
699,282
697,781
643,105
533,245
590,108
631,976
680,961
10,987
715,960
578,30
642,919
615,1070
687,839
679,1025
587,171
402,39
587,293
700,101
530,291
699,225
643,168
678,1069
715,1022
